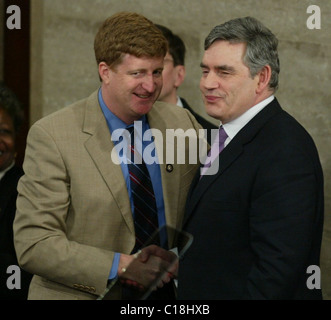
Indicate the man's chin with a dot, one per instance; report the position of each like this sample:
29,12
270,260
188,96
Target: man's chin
144,108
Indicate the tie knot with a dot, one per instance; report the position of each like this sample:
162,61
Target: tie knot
222,136
131,131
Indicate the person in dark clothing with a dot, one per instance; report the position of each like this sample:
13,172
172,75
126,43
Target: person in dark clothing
174,75
11,117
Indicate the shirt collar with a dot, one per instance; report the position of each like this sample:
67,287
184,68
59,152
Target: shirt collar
179,102
234,126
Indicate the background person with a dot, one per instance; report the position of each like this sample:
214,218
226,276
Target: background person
11,118
174,74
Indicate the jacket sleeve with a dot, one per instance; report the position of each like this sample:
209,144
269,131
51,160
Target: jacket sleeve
40,230
285,221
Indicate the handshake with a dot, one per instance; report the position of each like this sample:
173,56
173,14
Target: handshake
150,268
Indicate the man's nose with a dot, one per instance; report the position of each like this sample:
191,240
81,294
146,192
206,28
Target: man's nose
149,83
210,81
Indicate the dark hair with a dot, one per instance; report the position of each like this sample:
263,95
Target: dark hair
10,103
261,44
176,45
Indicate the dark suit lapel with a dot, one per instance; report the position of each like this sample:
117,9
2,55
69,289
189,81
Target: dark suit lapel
200,186
233,150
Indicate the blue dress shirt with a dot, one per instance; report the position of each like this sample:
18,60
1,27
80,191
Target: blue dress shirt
114,123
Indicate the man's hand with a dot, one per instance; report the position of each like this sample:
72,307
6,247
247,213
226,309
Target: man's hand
145,268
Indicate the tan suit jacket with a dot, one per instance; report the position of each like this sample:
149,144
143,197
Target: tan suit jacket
73,208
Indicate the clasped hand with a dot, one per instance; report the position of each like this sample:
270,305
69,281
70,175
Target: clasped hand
152,266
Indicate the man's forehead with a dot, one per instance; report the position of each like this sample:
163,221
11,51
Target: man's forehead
129,61
224,53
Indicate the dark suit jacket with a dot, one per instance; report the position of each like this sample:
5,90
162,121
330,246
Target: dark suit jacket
204,123
257,223
8,195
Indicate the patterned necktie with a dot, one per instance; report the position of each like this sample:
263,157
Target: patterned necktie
215,149
145,210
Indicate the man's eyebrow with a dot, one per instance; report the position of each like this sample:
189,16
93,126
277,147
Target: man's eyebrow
220,68
225,68
144,70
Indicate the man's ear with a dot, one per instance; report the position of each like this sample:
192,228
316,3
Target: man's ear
104,72
180,75
264,79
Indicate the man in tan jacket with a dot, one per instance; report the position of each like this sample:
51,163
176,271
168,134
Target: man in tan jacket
74,228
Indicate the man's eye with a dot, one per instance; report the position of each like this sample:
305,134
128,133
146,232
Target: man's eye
158,73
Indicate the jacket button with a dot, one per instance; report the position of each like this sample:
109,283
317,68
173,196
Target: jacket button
169,167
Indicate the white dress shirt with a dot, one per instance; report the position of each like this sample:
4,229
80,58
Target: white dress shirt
233,127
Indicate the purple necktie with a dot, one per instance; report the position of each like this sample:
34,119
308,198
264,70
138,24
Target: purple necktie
215,149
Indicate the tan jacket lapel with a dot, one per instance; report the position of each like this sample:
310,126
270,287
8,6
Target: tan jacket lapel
170,178
100,147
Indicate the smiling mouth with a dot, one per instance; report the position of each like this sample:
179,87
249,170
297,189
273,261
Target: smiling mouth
212,98
143,96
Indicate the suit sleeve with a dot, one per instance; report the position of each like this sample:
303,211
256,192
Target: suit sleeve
41,240
283,221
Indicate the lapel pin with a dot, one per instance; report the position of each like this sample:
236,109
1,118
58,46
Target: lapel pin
169,168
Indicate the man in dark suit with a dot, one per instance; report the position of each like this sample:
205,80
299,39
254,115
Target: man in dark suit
257,223
174,75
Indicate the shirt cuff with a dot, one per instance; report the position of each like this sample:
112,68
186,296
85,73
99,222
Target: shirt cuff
114,268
